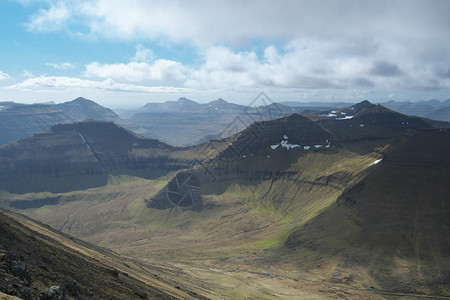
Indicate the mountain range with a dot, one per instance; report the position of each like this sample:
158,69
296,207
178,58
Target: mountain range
350,202
164,121
431,109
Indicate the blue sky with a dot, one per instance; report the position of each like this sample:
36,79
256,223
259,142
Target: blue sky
127,53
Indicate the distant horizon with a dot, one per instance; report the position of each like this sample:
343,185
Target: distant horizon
208,101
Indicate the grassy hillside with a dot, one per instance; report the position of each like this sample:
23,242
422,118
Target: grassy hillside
37,260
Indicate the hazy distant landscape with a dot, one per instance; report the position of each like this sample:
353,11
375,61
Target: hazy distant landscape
224,149
164,121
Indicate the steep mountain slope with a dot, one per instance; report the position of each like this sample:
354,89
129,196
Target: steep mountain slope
365,126
271,146
395,222
38,262
81,155
19,121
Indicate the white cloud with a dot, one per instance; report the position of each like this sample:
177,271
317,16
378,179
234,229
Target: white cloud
358,45
62,66
236,21
143,54
133,71
160,70
3,75
52,83
27,74
52,19
167,70
303,65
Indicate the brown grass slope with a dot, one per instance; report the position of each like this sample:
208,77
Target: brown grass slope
35,257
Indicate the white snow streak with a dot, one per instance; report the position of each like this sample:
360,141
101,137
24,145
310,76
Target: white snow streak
345,118
82,137
376,162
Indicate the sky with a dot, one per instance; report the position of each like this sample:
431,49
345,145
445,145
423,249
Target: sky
124,54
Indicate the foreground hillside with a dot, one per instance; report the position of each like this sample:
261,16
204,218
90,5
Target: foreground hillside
38,262
351,203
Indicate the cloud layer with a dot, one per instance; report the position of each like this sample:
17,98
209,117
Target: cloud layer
236,22
357,46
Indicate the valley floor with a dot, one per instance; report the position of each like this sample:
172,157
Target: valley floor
230,250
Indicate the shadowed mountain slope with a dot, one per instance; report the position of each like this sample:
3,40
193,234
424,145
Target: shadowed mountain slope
395,222
278,151
365,126
81,155
362,129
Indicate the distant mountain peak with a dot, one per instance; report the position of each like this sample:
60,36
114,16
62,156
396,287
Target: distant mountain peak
363,106
81,99
186,101
82,108
220,100
220,103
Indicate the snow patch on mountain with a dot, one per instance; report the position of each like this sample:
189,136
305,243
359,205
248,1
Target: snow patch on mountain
285,144
345,118
82,138
376,162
